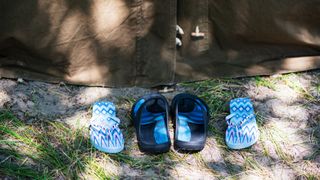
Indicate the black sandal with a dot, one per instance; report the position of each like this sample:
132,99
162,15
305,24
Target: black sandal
190,117
150,115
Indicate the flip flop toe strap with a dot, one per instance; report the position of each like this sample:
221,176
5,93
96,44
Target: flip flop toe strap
104,122
241,122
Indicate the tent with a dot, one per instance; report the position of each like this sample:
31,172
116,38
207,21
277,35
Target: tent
132,42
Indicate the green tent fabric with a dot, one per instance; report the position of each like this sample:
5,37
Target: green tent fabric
132,42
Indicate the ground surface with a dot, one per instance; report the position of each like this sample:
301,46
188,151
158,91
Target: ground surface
44,134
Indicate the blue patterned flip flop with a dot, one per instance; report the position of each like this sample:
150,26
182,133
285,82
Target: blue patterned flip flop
242,131
105,134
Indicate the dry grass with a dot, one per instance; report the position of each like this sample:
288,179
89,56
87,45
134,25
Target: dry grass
288,147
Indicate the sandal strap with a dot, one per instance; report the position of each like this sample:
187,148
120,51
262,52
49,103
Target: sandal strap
151,118
104,121
229,117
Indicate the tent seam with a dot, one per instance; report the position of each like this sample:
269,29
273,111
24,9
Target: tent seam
138,39
173,23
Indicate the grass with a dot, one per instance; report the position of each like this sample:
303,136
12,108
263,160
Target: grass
265,81
60,151
216,93
253,166
291,81
56,150
278,140
219,91
318,88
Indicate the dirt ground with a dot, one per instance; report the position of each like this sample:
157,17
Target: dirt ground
287,109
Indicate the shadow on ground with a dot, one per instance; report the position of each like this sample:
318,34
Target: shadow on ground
49,137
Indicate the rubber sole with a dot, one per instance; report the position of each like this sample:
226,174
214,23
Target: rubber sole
110,151
152,149
186,146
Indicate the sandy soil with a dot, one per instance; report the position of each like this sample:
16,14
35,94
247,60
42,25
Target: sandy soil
289,123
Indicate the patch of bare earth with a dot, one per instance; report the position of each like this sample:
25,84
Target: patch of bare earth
288,116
